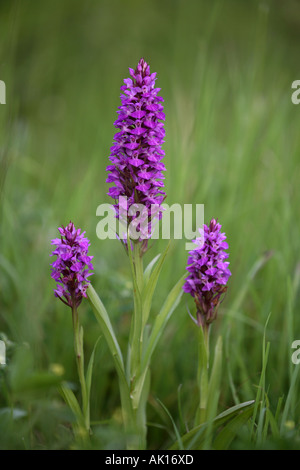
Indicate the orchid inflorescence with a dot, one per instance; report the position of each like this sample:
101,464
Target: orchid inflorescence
136,155
72,267
208,271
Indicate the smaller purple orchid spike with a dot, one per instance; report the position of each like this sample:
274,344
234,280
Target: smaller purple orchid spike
71,268
208,272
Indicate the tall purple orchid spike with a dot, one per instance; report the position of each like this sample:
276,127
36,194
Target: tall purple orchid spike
71,268
208,272
136,155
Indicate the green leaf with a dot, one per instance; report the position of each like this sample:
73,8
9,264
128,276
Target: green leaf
273,424
89,372
161,320
106,326
149,268
229,432
158,327
72,402
108,332
180,444
202,376
135,337
287,405
216,373
213,392
260,396
140,415
195,438
149,287
227,414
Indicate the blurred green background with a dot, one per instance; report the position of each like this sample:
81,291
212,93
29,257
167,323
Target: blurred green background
225,70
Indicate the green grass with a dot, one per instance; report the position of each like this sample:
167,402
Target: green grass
232,144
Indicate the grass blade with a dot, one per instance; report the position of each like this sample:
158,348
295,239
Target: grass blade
180,444
228,433
194,438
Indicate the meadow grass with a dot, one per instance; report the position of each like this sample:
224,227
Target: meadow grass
232,144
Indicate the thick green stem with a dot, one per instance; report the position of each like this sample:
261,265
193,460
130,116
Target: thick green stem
138,388
78,346
140,412
137,324
112,342
202,374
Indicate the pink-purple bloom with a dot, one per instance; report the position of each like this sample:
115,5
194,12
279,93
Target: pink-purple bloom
136,155
208,271
72,267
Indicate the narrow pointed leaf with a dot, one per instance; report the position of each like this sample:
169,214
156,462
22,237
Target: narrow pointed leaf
180,444
161,320
216,372
72,402
195,438
231,429
90,372
149,268
108,332
106,326
149,288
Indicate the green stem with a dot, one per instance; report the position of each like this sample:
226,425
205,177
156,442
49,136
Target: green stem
112,342
137,324
138,263
141,415
138,388
202,374
78,346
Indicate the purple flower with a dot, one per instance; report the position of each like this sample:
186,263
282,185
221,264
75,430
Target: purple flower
208,271
71,268
136,170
